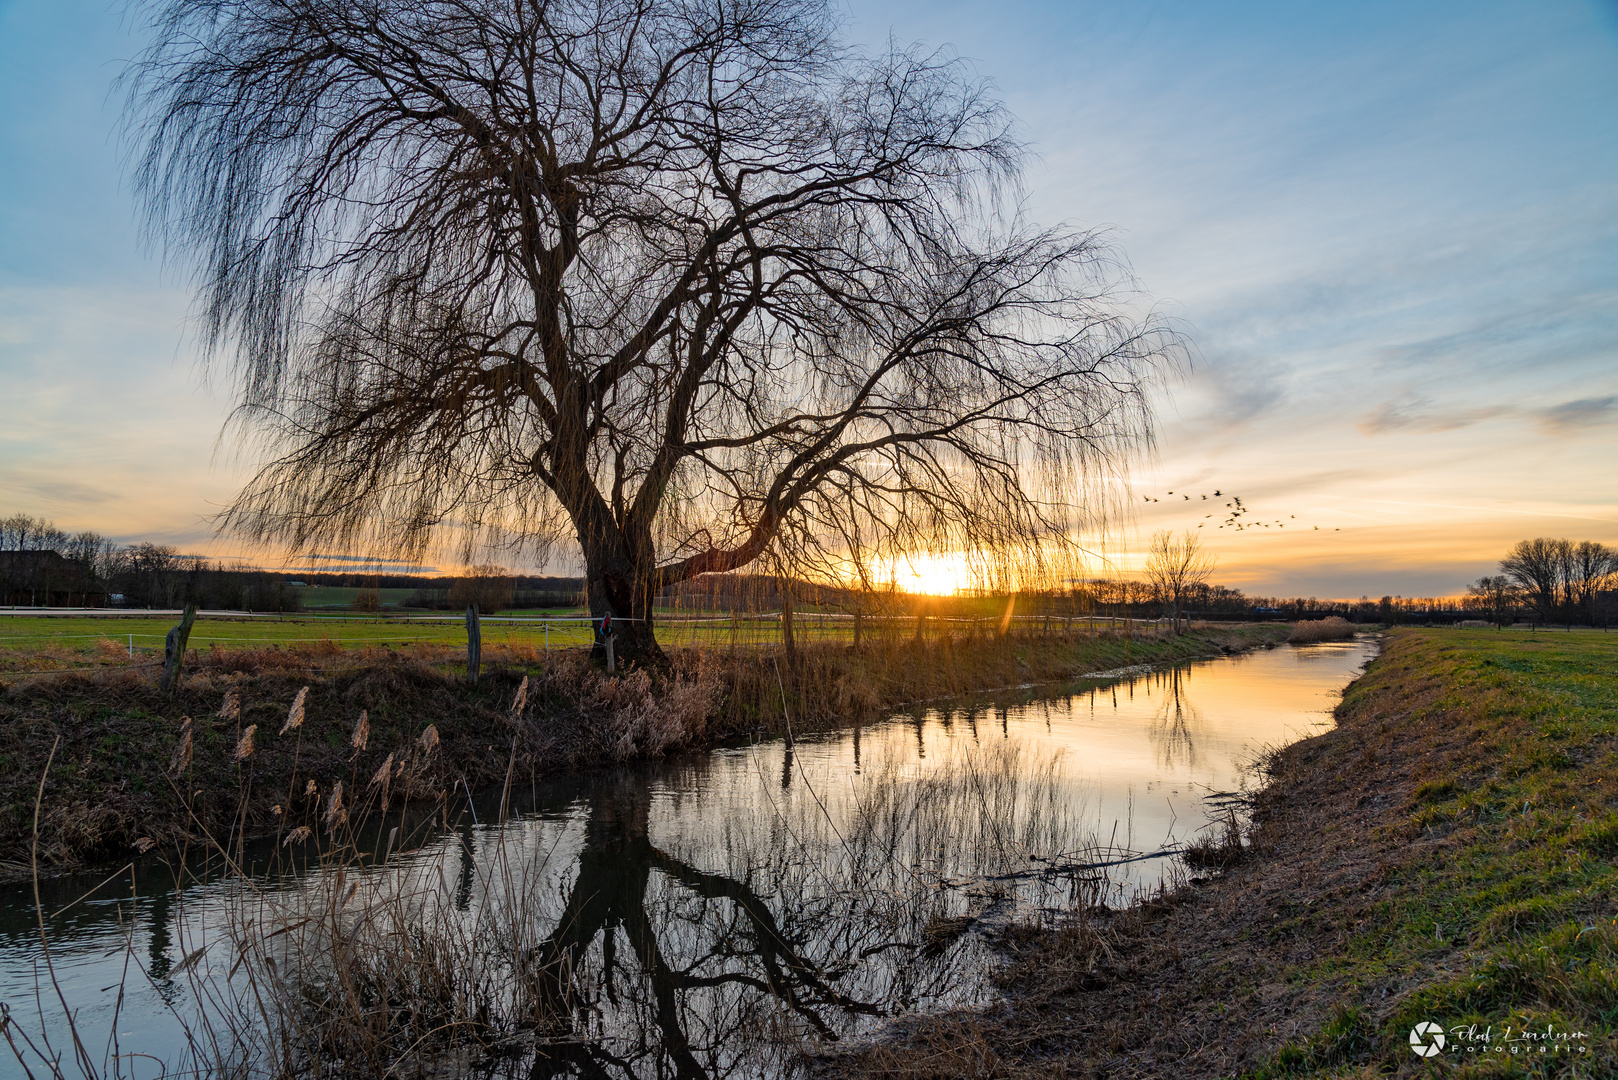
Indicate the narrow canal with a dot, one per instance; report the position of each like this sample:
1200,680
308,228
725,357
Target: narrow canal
702,917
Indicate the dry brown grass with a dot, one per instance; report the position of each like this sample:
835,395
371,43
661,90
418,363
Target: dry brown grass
1219,847
829,683
1332,628
110,786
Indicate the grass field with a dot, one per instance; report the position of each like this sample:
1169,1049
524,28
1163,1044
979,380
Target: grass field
36,644
33,643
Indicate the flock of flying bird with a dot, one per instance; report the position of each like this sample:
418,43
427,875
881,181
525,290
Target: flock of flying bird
1235,512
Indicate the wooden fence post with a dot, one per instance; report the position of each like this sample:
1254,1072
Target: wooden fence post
788,638
474,644
174,647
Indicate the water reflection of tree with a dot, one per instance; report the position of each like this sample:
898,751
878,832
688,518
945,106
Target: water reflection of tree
1174,727
711,933
709,953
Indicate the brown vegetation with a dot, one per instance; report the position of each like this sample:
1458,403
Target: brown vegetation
1219,847
111,785
1328,629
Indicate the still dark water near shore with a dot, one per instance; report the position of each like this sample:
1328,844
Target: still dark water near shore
710,915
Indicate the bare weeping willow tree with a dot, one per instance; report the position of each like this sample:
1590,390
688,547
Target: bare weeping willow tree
687,283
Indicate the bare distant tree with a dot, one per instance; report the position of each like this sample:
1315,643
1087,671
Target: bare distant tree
1177,565
1562,576
1541,567
1494,595
683,281
24,532
1591,568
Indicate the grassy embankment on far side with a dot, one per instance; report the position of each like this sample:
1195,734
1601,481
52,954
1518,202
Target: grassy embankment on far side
113,783
1448,854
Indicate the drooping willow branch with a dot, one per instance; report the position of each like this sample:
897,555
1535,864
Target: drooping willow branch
678,282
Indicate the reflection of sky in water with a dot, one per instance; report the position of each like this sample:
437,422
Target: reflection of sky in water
722,881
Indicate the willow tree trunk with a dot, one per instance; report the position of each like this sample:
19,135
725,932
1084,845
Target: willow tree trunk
621,585
628,600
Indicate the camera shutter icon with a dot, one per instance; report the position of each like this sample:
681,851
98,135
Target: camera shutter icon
1426,1039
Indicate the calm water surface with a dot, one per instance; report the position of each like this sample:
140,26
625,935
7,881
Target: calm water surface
709,915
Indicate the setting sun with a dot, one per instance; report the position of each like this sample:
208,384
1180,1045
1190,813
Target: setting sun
935,574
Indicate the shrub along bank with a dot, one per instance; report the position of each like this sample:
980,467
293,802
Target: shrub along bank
1447,855
119,778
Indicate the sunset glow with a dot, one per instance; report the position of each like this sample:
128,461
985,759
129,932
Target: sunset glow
1403,317
933,575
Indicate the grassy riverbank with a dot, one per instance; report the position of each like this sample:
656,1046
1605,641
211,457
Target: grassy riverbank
1447,854
111,736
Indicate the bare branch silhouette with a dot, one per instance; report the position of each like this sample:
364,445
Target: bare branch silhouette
680,281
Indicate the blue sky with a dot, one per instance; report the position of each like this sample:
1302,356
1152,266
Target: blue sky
1391,231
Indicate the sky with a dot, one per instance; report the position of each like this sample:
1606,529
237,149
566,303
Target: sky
1389,232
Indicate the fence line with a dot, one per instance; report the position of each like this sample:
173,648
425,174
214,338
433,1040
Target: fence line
744,628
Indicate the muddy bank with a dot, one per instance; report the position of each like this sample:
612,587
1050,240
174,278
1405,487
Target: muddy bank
1445,855
119,780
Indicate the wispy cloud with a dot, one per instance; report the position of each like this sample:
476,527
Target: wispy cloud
60,491
1578,414
1413,413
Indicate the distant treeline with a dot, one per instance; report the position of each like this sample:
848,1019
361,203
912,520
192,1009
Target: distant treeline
44,566
1544,580
1551,580
491,588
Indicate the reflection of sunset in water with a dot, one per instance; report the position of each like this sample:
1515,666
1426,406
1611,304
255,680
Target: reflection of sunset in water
700,916
1138,756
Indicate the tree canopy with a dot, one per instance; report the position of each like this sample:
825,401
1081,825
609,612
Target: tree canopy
680,282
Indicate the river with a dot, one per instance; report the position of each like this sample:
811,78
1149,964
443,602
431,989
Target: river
707,916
